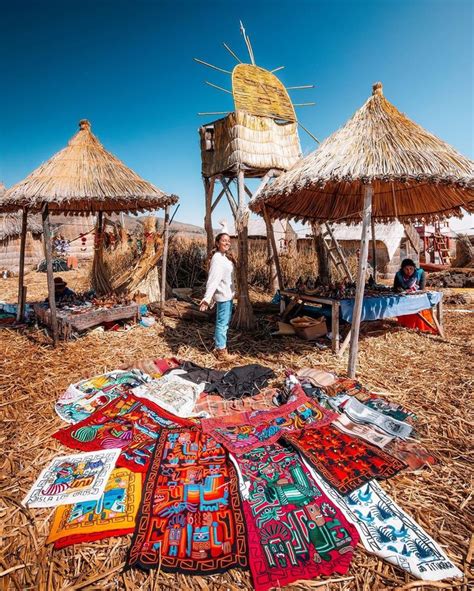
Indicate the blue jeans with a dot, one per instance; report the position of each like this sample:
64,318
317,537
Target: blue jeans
223,316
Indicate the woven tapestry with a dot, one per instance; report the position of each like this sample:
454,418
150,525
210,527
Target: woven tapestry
345,462
190,519
294,530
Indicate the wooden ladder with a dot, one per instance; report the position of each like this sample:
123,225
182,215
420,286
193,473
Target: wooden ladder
440,246
335,251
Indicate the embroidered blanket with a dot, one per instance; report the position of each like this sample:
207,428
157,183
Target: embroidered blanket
191,518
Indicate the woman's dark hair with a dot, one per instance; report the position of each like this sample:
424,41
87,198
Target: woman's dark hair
408,263
229,255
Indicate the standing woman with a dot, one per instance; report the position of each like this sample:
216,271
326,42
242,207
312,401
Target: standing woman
220,289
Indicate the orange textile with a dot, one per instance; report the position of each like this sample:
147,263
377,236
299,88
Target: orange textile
422,321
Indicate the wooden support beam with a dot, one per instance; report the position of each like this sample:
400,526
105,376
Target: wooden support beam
211,66
359,298
21,272
230,197
374,248
335,327
217,199
49,272
208,191
166,227
276,259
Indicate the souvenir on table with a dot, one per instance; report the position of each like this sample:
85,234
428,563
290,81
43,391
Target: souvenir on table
388,532
113,514
129,423
73,478
294,530
190,519
366,432
242,432
82,399
360,413
172,393
345,462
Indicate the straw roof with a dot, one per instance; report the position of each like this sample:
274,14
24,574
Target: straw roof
414,174
85,178
10,225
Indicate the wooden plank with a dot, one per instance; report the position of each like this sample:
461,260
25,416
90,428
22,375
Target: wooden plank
344,345
308,298
230,197
21,272
49,272
374,249
216,201
342,258
359,298
276,258
164,260
335,327
209,190
439,317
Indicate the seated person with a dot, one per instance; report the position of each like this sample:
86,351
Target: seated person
409,278
62,291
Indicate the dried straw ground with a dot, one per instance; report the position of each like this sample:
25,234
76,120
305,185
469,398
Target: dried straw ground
431,376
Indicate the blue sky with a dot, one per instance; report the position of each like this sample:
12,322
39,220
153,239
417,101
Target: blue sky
127,67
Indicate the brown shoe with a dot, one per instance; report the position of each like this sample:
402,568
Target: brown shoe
223,355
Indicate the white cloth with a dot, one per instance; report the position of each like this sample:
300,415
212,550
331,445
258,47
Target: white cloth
172,393
220,283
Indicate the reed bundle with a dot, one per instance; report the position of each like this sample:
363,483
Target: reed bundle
83,178
10,225
414,174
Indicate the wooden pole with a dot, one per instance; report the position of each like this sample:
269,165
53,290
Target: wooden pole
165,261
21,273
209,190
49,271
276,258
359,298
374,249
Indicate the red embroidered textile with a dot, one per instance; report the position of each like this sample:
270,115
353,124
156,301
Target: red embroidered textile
127,422
294,530
191,518
345,462
242,432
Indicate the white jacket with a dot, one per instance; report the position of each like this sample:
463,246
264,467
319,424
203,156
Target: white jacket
220,282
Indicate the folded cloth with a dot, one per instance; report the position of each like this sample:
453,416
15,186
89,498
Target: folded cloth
190,519
360,413
345,462
390,533
317,377
294,530
245,380
154,367
366,432
172,393
112,515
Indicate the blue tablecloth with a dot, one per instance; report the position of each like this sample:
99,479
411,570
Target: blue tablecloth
376,308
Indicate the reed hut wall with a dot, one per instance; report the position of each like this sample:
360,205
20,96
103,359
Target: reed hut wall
10,252
247,142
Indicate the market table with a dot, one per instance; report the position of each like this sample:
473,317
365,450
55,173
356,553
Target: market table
374,307
69,321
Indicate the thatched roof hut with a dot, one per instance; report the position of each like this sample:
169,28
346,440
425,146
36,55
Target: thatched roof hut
414,174
10,233
83,178
10,226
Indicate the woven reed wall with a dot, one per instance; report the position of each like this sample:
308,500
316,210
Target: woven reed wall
10,253
251,142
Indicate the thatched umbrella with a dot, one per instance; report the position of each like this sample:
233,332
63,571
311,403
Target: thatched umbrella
82,178
380,164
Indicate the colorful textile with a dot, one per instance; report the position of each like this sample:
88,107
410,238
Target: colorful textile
82,399
376,308
154,367
190,519
412,453
242,432
345,462
388,532
366,432
214,406
389,408
422,321
72,478
294,530
111,515
349,387
172,393
128,422
360,413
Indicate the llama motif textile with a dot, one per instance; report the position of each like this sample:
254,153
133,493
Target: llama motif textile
388,532
294,530
72,478
191,518
129,423
244,431
82,399
345,462
111,515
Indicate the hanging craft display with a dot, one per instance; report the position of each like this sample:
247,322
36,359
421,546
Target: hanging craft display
82,399
190,519
127,422
72,478
345,462
113,514
294,530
